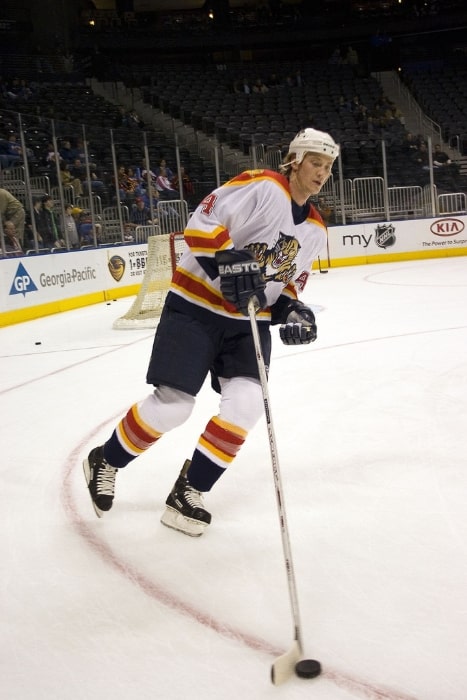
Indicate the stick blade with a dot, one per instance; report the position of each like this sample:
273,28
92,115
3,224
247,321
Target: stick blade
284,666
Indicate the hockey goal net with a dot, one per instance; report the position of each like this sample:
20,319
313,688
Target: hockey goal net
164,251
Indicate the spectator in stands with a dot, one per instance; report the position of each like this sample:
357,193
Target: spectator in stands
154,199
149,194
344,104
51,233
11,209
38,218
124,185
140,214
440,158
6,160
85,227
187,185
411,144
134,189
78,169
422,157
12,88
238,86
134,120
67,153
145,171
379,112
69,228
355,104
163,184
260,87
335,58
361,118
51,156
68,61
166,213
69,181
14,150
97,183
245,86
395,113
447,171
121,119
371,128
163,166
12,244
151,197
83,153
274,81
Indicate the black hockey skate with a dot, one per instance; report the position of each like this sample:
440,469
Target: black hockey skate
185,508
100,477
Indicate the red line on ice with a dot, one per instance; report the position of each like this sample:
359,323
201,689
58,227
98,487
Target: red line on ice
157,592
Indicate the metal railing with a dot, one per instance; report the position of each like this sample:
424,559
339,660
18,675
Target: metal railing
406,202
452,203
172,215
351,199
142,233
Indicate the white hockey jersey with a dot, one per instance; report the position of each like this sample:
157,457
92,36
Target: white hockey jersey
255,211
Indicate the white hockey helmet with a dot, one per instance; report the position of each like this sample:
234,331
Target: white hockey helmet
313,141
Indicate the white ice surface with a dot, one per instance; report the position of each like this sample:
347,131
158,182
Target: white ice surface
371,424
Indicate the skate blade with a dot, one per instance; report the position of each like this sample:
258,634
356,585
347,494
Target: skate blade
175,520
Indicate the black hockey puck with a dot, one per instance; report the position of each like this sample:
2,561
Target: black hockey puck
307,668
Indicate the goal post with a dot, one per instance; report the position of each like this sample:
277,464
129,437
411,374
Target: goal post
164,251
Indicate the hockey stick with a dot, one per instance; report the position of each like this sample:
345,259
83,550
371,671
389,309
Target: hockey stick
322,272
284,666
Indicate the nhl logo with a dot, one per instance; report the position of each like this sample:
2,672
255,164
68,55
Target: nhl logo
385,235
116,267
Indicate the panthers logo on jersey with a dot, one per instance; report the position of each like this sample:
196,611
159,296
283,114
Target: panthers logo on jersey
277,263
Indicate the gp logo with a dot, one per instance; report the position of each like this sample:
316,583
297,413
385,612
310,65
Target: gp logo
22,283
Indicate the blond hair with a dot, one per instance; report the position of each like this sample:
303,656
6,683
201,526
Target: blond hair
286,166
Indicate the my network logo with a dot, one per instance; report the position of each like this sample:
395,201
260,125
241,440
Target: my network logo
22,283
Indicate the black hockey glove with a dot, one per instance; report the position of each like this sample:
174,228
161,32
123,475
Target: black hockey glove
299,327
241,278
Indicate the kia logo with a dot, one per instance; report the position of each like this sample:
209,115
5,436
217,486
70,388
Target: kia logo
447,227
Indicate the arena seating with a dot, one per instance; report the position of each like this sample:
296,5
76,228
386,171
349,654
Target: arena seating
440,87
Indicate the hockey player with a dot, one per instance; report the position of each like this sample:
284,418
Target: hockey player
255,235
